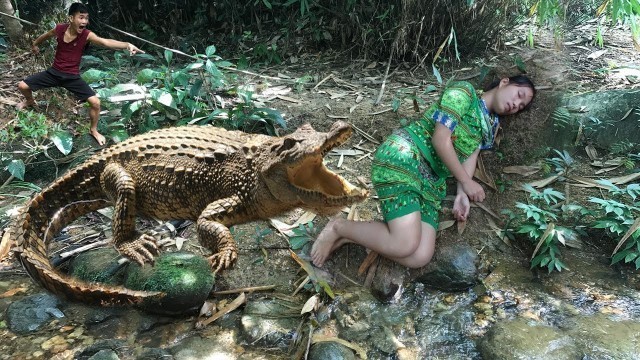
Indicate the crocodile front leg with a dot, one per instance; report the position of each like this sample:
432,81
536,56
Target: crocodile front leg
214,233
119,186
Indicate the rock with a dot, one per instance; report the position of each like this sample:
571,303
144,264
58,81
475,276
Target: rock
453,267
330,351
269,323
119,347
196,347
100,265
105,355
155,354
388,282
525,339
599,337
32,313
185,278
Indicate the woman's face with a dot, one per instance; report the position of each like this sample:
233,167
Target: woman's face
511,98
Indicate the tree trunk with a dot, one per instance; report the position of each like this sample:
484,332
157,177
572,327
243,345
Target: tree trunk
13,26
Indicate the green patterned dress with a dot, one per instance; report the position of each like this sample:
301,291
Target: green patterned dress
407,173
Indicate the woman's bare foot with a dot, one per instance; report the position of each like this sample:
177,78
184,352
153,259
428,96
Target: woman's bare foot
461,207
99,138
324,244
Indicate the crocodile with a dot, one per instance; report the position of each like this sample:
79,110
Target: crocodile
212,176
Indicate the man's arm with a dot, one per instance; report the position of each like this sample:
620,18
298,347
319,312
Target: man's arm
42,38
113,44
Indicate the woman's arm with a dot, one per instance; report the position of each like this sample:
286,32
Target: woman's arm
113,44
443,145
469,166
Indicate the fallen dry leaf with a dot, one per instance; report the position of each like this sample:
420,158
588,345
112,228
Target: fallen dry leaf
524,170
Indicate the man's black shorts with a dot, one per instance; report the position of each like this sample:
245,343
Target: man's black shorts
54,78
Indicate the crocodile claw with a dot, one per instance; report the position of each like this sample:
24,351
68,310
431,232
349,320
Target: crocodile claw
142,250
223,259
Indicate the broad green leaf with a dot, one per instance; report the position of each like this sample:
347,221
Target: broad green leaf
267,4
210,51
62,140
163,97
212,69
193,66
16,168
224,63
168,56
95,75
194,91
146,76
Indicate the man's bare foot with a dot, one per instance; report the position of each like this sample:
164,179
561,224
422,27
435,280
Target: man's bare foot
324,244
99,138
26,104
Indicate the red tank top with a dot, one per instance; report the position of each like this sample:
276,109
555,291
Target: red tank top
68,55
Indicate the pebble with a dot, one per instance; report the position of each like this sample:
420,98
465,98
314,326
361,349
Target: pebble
56,344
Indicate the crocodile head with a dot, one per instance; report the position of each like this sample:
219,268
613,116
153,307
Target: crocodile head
293,171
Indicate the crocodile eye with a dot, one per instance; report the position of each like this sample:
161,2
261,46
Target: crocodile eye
287,144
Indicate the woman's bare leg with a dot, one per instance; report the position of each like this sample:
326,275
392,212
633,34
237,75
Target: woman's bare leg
399,238
424,252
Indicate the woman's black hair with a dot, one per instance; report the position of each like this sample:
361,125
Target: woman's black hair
519,80
76,8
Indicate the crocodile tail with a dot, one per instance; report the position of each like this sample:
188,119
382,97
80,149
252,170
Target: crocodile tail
75,194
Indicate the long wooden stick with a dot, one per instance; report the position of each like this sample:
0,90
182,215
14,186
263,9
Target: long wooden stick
17,18
195,58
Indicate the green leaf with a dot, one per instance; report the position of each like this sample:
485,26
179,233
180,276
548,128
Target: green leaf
267,4
62,140
436,73
193,66
430,88
520,64
224,63
163,97
16,168
210,51
298,242
168,56
195,88
212,69
95,75
618,256
146,76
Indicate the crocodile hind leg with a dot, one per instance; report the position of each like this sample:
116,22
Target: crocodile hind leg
119,186
214,234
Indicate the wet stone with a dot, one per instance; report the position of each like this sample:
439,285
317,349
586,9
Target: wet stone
526,339
100,265
600,337
184,277
32,313
105,355
453,267
119,347
155,354
269,323
330,351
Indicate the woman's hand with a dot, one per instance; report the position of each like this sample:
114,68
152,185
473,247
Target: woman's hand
461,207
474,191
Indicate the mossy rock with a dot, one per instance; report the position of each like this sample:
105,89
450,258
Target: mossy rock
185,278
100,265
